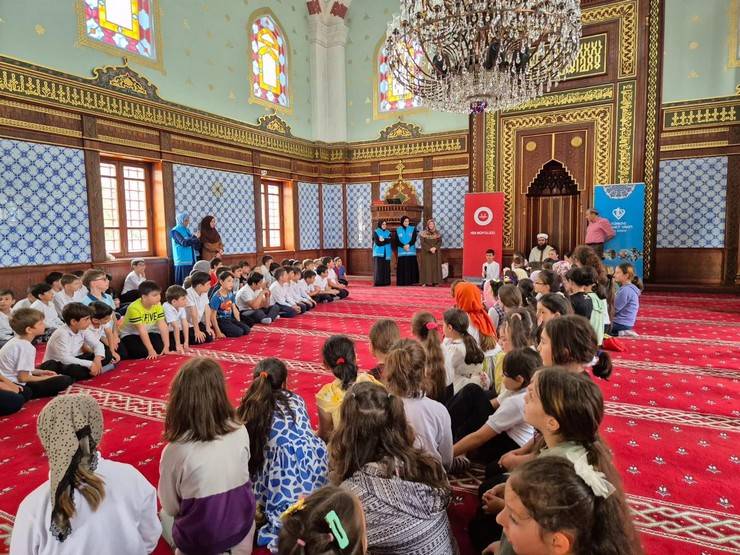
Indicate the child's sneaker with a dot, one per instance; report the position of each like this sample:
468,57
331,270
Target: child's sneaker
459,464
266,321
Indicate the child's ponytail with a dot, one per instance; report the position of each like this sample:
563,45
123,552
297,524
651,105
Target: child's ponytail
424,326
458,320
339,355
603,367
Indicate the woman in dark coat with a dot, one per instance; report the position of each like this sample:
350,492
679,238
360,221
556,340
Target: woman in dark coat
407,271
382,254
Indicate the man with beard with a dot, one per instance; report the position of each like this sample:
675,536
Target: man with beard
541,251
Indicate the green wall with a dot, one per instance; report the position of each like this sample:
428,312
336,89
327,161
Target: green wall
205,49
696,50
367,21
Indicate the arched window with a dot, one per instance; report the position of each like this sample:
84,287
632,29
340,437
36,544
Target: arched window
269,63
391,96
122,28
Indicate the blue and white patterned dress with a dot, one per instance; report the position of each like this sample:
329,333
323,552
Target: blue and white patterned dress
296,463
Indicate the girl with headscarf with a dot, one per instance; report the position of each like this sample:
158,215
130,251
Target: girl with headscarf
89,504
468,298
184,245
431,258
382,254
210,239
407,271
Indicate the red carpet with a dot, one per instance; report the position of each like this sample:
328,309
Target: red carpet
672,403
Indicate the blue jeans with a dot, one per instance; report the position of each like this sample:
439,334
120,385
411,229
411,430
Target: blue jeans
615,328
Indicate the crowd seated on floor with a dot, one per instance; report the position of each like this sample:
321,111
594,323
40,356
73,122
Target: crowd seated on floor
501,379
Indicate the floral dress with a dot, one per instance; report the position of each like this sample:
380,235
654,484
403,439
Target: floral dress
295,465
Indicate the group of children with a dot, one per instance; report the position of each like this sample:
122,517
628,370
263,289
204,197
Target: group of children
87,331
516,397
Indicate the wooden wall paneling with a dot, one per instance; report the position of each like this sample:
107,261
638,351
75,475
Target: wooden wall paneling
19,278
687,266
732,221
26,121
94,194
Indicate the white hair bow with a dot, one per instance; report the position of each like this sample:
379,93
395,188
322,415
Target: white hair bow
594,479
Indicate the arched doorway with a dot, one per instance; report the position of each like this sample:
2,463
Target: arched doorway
553,206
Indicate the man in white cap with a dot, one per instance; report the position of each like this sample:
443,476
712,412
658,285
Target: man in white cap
541,251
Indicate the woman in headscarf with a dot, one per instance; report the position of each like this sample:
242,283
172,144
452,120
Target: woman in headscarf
210,239
431,257
407,270
468,298
89,504
184,245
382,254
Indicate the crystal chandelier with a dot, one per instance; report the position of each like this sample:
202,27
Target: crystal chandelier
470,56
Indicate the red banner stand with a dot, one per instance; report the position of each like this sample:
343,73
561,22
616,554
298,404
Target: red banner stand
483,230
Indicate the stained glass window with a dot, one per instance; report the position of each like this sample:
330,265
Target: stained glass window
392,96
269,64
124,26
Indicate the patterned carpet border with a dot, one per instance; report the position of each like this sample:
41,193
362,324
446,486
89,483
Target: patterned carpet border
728,373
672,416
124,403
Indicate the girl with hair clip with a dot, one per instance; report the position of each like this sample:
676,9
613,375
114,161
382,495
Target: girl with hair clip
89,504
383,335
339,357
552,305
517,332
207,500
578,282
566,506
626,301
428,418
403,489
425,328
463,357
283,447
492,301
330,521
468,298
570,341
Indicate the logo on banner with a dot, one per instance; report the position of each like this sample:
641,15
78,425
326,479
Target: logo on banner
483,216
618,213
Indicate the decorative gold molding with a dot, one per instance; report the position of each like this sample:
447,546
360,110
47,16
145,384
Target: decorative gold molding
591,59
406,149
126,142
84,40
490,152
568,98
700,115
288,71
125,127
626,13
51,129
651,133
625,131
601,116
692,146
39,109
275,124
693,132
399,131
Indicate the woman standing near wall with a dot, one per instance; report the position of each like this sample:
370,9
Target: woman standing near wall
212,245
431,258
184,245
407,271
382,254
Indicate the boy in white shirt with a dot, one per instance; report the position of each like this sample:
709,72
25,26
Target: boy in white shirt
491,269
198,311
322,284
279,292
71,284
54,279
101,316
305,287
71,350
6,303
25,302
18,358
333,279
44,296
294,274
253,301
130,291
176,318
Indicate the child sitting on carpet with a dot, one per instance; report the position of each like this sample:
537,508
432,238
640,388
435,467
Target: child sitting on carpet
72,350
463,356
425,328
44,303
100,317
216,265
6,305
322,284
198,311
282,444
176,317
294,275
516,333
404,490
566,503
253,301
626,301
130,290
225,317
54,280
330,521
468,298
339,357
341,271
88,504
280,294
383,335
333,280
492,301
552,305
26,301
429,419
578,282
144,332
71,285
205,464
570,342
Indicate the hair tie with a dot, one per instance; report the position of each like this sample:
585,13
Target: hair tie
431,325
300,542
294,508
264,375
600,486
341,360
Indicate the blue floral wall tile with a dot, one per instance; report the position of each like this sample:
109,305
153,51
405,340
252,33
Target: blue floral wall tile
333,213
359,225
227,196
448,206
308,215
43,205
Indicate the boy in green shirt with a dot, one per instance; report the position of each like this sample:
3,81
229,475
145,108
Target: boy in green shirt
144,332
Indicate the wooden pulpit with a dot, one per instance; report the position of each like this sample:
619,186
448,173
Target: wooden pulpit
400,200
